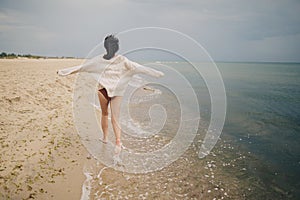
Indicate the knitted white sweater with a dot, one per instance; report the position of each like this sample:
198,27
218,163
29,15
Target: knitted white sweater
114,74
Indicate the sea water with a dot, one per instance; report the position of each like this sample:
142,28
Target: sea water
256,157
263,117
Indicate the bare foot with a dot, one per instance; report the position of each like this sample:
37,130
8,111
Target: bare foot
103,140
118,148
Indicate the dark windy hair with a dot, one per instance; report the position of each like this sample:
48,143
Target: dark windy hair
111,44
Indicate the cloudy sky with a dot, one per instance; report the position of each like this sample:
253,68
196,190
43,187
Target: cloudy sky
230,30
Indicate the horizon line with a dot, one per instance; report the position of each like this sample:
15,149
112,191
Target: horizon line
34,56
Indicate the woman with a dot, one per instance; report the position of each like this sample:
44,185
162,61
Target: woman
115,73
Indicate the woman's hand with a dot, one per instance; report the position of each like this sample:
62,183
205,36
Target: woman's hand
160,74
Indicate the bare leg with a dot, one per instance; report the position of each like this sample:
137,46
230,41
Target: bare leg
115,105
104,118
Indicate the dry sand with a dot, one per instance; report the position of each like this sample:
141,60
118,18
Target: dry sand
41,154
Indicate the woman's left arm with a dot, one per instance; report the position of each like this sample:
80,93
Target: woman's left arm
140,69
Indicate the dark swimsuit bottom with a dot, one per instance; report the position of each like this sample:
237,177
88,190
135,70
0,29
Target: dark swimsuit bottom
104,92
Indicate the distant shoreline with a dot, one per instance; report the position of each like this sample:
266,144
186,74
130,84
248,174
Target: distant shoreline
19,58
162,62
4,55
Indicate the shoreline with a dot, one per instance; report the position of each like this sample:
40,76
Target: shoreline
41,148
44,157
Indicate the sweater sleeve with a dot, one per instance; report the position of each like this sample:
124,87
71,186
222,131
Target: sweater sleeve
140,69
67,71
91,66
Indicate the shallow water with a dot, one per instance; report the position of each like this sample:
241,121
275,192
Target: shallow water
257,156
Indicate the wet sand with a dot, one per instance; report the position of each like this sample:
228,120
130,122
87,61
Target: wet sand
42,156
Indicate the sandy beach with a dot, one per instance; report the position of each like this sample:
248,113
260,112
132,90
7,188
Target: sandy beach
42,156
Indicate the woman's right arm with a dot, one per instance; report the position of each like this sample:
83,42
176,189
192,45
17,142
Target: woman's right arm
70,70
90,66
